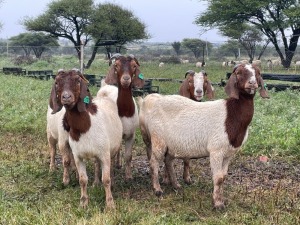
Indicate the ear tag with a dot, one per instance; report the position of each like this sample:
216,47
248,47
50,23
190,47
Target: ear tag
141,76
86,99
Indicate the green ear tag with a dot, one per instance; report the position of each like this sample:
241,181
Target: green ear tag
141,76
86,99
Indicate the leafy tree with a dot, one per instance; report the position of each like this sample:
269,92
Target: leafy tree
197,46
36,42
274,18
76,20
176,46
231,47
112,25
249,37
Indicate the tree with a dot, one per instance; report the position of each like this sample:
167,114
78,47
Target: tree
197,46
110,25
75,21
249,37
275,19
176,46
230,47
36,42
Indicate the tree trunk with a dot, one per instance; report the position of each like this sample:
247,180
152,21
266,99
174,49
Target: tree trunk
91,60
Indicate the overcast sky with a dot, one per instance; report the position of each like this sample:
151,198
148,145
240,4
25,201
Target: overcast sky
166,20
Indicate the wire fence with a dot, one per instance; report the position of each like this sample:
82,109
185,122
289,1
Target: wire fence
150,52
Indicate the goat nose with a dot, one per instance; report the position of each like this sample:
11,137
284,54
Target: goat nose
66,96
126,78
199,91
252,82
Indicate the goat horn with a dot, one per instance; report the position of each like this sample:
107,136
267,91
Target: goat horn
191,72
114,56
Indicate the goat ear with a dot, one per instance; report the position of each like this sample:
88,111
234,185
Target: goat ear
136,61
263,92
84,98
209,91
53,101
111,77
138,78
230,88
184,89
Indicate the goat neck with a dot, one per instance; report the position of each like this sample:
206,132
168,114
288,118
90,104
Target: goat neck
125,101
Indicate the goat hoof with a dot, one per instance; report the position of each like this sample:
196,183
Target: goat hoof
66,181
96,183
52,169
219,206
188,181
119,167
84,201
158,193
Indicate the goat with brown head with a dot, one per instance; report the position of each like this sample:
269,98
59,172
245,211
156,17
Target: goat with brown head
94,126
245,80
125,73
70,89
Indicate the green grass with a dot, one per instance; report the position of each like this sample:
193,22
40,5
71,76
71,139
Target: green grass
256,193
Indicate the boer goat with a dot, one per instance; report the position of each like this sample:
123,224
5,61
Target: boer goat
125,73
173,126
196,85
95,129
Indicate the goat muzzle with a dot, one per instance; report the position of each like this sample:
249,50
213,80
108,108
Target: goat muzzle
125,81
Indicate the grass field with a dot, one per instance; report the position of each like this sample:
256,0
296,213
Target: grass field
256,192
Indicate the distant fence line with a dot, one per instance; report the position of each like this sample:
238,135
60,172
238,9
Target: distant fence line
150,50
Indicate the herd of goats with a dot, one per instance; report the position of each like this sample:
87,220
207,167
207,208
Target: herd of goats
172,126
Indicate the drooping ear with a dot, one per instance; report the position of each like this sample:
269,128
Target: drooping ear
263,92
209,90
138,80
54,102
231,86
111,77
84,98
184,89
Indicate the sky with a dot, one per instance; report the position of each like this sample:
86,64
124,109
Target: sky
165,20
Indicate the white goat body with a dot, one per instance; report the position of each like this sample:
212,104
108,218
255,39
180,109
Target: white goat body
125,73
57,136
177,127
94,126
130,124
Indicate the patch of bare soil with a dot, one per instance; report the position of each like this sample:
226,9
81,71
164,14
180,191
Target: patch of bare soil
249,172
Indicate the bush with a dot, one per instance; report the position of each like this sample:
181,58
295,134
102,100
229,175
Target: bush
171,59
24,60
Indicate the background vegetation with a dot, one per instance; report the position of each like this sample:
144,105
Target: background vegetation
257,192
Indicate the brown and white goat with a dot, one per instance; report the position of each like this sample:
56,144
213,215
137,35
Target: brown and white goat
57,136
173,126
125,73
95,129
196,85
